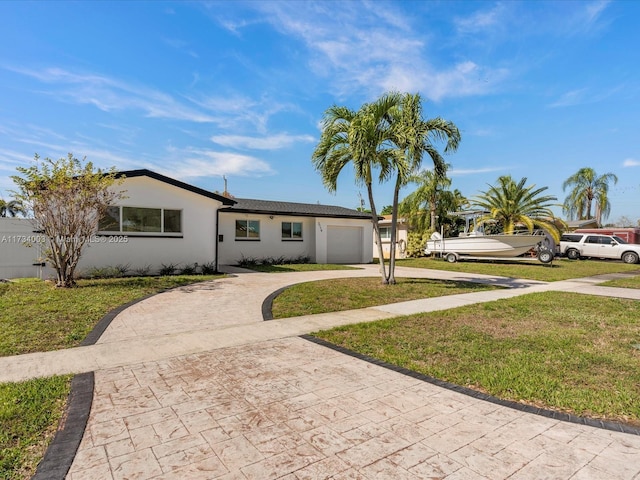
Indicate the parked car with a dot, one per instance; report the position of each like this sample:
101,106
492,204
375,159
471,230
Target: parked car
584,245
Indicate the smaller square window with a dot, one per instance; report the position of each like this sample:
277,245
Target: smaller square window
292,230
385,233
248,229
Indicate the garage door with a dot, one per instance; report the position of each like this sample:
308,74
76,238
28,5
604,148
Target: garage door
344,244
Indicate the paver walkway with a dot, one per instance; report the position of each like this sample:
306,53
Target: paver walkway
193,384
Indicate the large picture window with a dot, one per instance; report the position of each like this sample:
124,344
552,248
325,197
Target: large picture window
141,220
291,231
247,229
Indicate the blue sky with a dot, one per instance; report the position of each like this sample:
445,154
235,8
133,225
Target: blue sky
198,90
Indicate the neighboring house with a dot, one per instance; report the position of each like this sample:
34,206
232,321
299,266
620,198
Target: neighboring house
322,233
162,221
402,236
575,224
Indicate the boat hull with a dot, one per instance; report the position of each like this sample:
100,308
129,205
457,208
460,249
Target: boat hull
506,246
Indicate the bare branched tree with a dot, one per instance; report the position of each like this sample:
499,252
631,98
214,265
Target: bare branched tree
67,199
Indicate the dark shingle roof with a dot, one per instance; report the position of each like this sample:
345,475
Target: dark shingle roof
247,205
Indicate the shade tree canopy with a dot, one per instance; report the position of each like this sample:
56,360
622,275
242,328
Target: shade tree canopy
67,198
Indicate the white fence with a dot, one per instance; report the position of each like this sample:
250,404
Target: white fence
21,250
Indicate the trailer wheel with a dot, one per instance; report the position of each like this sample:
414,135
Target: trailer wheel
545,255
451,257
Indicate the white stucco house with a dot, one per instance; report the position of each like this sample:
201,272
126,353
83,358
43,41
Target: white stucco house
164,221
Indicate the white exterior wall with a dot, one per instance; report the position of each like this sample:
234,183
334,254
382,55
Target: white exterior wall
270,244
140,250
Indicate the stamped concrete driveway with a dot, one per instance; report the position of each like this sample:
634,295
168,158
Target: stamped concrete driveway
244,405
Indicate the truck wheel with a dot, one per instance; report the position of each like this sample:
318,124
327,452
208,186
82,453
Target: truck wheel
630,257
451,257
573,254
545,255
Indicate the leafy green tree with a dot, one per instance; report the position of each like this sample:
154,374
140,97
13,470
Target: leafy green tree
511,204
422,206
360,138
586,187
414,137
386,210
67,198
12,208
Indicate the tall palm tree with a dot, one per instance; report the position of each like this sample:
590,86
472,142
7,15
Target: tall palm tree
587,186
362,139
421,207
510,203
12,208
413,137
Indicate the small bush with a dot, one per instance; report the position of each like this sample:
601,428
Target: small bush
101,272
189,269
248,261
416,242
208,268
142,271
167,269
122,270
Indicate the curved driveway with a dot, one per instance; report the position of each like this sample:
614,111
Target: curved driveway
193,384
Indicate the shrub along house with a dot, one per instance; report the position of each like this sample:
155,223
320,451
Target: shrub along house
163,221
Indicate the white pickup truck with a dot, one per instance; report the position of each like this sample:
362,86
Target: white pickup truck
583,245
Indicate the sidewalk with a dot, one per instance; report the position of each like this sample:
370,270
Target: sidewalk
192,383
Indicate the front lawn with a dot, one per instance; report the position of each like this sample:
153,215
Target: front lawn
563,351
350,293
37,317
298,267
560,269
29,414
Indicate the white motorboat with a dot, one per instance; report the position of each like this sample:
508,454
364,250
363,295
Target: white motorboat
476,243
481,245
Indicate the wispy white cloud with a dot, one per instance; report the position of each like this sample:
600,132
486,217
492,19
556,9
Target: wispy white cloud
207,163
585,95
235,110
270,142
631,162
573,97
110,94
377,52
481,20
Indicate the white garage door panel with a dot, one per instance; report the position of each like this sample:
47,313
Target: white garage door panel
344,244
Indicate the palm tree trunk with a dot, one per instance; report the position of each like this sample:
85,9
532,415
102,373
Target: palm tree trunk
376,230
391,278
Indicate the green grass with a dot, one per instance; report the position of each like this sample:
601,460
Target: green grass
36,317
560,269
351,293
29,414
299,267
563,351
632,282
